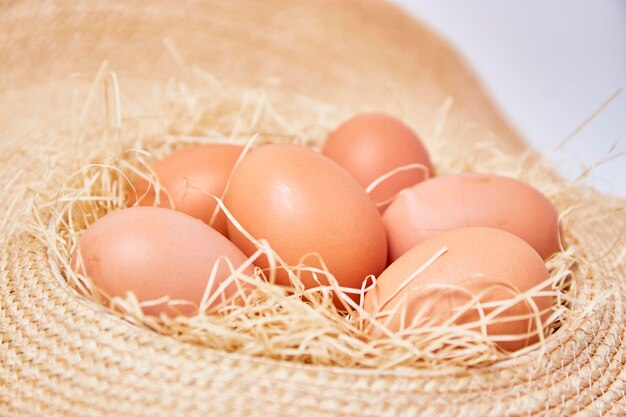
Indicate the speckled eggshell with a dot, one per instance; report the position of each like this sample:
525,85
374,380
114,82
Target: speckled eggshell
452,201
302,203
188,175
370,145
155,252
476,258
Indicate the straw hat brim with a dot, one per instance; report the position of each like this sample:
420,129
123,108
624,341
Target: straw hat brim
60,356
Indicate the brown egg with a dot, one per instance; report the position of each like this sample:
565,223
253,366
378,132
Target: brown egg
188,176
155,252
371,145
476,259
303,203
452,201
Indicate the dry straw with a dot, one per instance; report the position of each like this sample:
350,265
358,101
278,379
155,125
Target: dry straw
273,322
63,352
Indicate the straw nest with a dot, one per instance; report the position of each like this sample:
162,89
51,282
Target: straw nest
65,153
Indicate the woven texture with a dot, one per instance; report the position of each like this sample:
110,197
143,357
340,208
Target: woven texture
60,356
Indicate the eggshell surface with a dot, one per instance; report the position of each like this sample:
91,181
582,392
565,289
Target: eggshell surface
371,145
453,201
189,176
305,204
155,252
476,259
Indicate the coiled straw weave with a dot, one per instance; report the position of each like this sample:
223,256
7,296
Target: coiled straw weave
61,356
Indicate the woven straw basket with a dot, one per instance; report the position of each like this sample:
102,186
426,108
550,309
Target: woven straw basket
61,357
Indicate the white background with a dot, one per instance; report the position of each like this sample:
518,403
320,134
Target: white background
548,65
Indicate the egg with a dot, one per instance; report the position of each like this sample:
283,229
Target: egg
371,145
452,201
471,261
304,204
156,252
188,175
